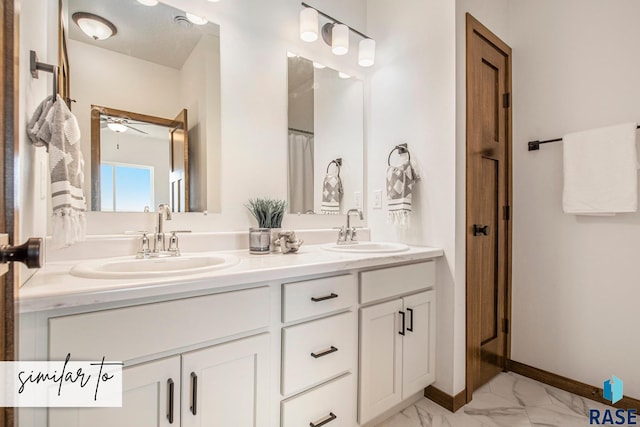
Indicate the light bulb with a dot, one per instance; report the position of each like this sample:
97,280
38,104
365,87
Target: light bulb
367,52
117,127
309,24
340,39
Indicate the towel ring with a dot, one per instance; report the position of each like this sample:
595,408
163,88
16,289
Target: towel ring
337,162
402,149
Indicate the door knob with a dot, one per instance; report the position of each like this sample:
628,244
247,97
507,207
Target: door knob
480,230
29,253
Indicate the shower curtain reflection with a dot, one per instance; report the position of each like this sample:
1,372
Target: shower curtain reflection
300,172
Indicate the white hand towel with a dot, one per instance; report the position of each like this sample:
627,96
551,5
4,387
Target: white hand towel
600,171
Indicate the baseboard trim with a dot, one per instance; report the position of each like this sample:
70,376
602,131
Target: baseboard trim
572,386
452,403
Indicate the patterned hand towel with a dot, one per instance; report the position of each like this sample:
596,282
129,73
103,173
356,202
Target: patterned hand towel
56,128
331,194
400,181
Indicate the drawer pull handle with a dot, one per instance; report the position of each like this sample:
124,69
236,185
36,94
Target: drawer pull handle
332,296
170,401
324,353
327,420
402,313
194,393
410,328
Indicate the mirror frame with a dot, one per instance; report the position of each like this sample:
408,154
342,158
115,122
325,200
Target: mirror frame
96,112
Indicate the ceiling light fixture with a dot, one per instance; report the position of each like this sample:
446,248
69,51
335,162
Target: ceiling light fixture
198,20
148,2
117,127
335,34
94,26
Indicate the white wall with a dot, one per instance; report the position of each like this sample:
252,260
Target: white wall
412,100
575,279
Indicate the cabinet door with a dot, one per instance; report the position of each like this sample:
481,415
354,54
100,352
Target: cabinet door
380,359
146,400
418,345
227,385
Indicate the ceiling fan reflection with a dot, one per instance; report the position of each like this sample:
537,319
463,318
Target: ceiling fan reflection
119,124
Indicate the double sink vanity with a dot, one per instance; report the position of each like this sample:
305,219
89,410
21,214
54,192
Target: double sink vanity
331,335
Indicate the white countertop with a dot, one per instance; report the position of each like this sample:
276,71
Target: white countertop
54,288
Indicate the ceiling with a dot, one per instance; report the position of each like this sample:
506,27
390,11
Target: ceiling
148,33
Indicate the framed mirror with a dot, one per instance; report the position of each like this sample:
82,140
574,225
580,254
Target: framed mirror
157,63
138,161
325,139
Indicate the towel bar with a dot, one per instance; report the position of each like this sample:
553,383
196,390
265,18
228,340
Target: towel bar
535,145
36,66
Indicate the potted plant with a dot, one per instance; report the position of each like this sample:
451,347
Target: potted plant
269,213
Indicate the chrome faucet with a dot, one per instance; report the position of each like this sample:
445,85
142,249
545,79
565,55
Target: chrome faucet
347,235
164,212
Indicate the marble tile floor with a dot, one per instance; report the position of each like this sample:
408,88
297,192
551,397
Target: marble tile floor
509,400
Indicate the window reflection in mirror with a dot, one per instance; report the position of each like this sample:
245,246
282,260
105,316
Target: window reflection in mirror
157,64
325,124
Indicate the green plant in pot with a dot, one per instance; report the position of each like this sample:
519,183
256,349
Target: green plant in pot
269,213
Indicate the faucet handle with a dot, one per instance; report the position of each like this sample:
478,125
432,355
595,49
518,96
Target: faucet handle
143,250
174,250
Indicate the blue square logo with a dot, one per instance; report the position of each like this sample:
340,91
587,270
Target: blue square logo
613,389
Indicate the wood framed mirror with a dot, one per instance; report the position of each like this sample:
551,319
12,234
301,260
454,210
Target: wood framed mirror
138,161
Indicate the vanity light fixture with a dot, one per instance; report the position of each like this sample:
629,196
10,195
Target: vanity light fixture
335,34
367,52
340,39
318,65
148,2
198,20
94,26
343,75
309,24
291,54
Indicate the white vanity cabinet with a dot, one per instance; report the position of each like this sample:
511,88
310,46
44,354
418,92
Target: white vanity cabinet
225,384
397,337
319,353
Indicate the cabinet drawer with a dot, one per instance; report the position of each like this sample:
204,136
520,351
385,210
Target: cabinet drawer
388,282
127,333
315,351
333,401
316,297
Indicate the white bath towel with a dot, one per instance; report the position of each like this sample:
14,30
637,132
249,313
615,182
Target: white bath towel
600,171
55,127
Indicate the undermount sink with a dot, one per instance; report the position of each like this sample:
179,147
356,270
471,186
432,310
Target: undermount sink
368,247
132,268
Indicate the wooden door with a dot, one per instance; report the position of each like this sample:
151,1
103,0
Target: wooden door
488,203
380,359
179,184
150,398
418,344
8,121
227,384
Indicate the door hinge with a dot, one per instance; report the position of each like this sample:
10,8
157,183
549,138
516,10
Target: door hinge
505,326
507,213
506,100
